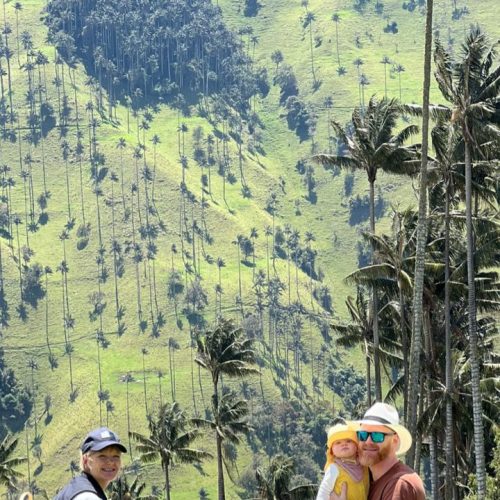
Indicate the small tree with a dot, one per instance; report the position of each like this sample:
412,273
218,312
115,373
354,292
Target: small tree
170,438
224,350
8,474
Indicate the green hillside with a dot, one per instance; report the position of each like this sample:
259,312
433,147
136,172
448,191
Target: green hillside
99,314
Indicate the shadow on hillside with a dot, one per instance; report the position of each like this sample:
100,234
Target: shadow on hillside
252,8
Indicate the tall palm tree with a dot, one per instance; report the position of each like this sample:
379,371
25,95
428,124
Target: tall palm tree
121,144
224,351
358,331
170,440
416,344
373,147
393,269
472,88
274,481
127,378
385,61
229,423
238,241
336,20
8,474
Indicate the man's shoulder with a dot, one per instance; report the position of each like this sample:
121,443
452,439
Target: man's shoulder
402,469
409,485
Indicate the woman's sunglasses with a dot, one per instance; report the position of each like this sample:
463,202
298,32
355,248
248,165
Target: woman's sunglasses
377,437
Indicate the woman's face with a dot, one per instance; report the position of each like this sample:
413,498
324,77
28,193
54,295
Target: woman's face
344,448
103,465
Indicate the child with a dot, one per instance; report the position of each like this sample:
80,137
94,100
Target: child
342,465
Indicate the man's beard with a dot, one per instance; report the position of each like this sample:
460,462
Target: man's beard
368,459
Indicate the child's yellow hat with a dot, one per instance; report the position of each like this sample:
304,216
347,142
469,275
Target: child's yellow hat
336,433
341,431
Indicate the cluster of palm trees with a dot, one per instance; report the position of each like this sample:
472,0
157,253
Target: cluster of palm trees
159,49
97,195
444,376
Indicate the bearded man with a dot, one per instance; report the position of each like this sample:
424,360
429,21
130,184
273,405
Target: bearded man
381,441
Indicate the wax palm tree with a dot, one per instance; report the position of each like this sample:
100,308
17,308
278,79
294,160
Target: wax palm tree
274,481
393,269
127,378
238,241
336,20
228,423
224,350
445,145
121,144
173,346
471,87
309,18
359,331
385,61
399,68
170,441
8,474
373,147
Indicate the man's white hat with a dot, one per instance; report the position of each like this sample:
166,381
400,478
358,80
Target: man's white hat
387,415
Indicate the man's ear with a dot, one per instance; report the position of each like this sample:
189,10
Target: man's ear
396,441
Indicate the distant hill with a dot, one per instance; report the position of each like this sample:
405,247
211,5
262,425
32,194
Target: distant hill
130,220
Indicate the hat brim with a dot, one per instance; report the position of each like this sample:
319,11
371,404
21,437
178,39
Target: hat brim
405,439
106,444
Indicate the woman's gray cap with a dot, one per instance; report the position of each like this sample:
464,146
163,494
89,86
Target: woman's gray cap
101,438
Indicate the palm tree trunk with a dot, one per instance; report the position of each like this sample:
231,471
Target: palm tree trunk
473,339
404,343
368,377
450,490
429,363
128,422
374,305
220,470
416,344
167,483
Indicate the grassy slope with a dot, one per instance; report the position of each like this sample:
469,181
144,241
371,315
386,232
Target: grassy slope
278,25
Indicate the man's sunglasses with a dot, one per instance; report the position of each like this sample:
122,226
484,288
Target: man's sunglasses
377,437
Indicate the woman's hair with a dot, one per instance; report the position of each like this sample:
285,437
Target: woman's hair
81,459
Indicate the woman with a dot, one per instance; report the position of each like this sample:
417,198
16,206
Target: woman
100,463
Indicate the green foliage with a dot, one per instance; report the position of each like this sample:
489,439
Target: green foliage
15,400
275,481
299,118
287,81
350,386
493,479
9,475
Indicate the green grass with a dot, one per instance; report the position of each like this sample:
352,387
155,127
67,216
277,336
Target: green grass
278,26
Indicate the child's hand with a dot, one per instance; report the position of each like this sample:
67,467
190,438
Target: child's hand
343,493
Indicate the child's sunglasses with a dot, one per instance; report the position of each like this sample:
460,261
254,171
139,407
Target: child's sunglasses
377,437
